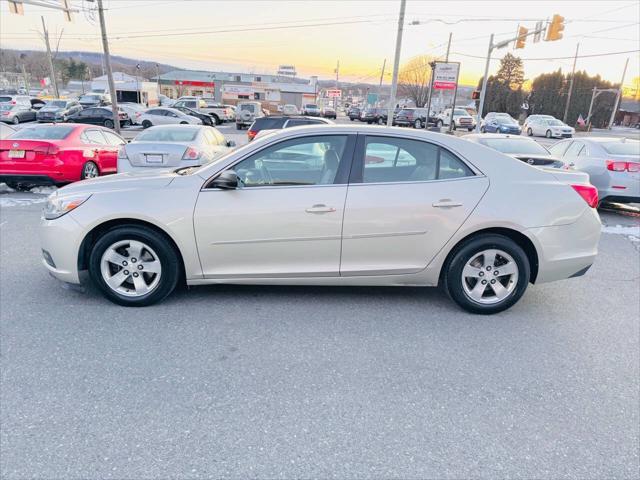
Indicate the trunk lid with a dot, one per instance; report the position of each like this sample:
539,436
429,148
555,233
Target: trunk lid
156,154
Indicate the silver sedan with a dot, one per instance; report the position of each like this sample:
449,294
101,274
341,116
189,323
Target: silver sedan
172,146
329,205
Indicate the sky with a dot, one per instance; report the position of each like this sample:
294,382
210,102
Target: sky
257,36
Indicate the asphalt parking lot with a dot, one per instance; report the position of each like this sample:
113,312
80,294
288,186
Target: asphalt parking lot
311,382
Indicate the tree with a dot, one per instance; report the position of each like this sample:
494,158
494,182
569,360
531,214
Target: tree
413,79
504,89
511,72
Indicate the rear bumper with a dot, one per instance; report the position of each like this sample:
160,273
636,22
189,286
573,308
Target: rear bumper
567,251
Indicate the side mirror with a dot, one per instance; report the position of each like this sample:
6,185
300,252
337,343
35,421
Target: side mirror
227,180
231,143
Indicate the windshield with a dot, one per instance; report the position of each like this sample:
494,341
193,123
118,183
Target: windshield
555,123
513,145
505,120
311,105
4,108
248,107
622,148
56,103
53,132
168,135
91,98
5,99
460,111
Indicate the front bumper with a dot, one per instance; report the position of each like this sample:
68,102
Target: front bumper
60,239
566,251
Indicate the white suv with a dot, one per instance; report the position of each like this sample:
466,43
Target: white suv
461,119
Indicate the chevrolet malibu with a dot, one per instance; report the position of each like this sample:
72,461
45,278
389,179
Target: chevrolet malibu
309,206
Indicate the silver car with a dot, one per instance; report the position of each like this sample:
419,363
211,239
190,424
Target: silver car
329,205
613,165
172,146
523,148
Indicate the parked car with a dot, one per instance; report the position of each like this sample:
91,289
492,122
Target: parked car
329,112
219,113
58,110
354,113
290,110
524,149
374,115
613,165
173,146
99,116
414,117
231,112
94,100
15,99
6,130
550,128
134,110
501,124
16,113
166,116
55,154
247,113
205,118
311,110
535,116
437,210
461,119
265,125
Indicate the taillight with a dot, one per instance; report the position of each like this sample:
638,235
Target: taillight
122,153
252,134
44,150
589,194
614,166
191,154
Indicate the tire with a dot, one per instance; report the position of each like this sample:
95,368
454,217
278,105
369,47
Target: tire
417,124
548,134
381,121
470,129
89,170
146,124
216,120
483,130
108,123
530,132
468,257
156,250
238,126
16,120
13,185
127,123
352,119
439,124
184,123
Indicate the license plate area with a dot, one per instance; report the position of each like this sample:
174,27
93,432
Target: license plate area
153,158
16,154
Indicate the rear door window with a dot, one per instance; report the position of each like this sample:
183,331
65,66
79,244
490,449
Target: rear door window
93,137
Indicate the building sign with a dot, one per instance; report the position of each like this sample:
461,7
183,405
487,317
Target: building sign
445,76
193,83
237,90
334,93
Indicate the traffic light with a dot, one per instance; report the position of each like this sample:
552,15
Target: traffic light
522,37
554,32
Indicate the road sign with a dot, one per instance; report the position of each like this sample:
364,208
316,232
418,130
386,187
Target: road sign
372,98
445,75
334,93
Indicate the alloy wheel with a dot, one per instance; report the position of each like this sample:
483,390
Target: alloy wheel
131,268
90,170
490,276
418,124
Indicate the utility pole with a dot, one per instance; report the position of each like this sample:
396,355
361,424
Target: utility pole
618,95
335,99
52,70
384,64
483,92
573,74
593,97
107,61
396,63
446,59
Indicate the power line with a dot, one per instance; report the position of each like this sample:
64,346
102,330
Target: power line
555,58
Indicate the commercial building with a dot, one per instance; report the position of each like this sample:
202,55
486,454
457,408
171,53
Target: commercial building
128,88
224,87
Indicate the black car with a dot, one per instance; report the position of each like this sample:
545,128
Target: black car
413,117
354,113
375,115
58,110
94,100
99,116
206,119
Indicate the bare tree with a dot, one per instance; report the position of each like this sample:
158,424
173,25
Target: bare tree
413,79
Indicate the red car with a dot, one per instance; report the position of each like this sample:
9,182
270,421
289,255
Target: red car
55,154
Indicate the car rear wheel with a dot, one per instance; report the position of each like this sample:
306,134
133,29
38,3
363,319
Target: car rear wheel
108,123
529,132
380,121
134,266
89,170
16,120
417,123
146,124
548,134
483,130
216,120
487,274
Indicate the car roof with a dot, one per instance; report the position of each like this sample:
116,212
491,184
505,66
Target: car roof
472,136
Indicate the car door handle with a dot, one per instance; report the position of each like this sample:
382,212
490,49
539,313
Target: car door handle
446,204
320,208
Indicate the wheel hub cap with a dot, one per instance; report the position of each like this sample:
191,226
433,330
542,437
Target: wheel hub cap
145,272
495,263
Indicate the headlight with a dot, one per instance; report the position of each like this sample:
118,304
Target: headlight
58,205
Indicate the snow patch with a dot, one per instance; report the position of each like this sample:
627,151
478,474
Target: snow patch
5,189
21,202
632,232
44,190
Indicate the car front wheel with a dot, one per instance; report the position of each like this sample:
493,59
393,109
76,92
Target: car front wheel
16,120
134,266
487,274
89,170
146,124
548,134
108,123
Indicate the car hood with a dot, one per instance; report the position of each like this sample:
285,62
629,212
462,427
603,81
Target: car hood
120,182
